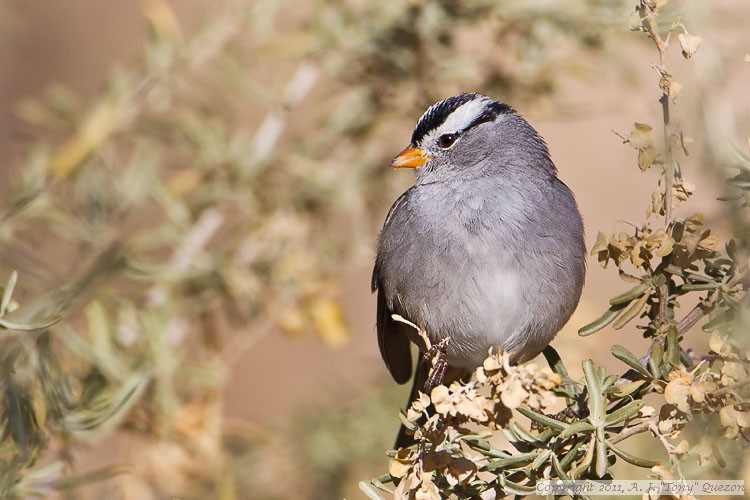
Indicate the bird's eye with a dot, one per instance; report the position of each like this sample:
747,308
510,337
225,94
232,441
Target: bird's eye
447,140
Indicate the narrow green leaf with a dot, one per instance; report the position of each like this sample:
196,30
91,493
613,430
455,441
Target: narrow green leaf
576,428
517,442
523,435
624,413
633,311
521,458
541,419
541,459
72,482
547,434
45,473
487,451
741,181
655,360
743,159
628,278
608,382
516,488
602,321
630,295
627,357
674,270
632,459
699,287
558,468
28,327
572,453
109,407
477,442
601,453
596,398
700,278
678,230
588,457
673,346
8,293
626,389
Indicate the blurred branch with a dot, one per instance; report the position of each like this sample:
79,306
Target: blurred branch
272,126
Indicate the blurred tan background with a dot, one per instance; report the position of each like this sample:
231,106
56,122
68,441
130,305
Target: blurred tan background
282,378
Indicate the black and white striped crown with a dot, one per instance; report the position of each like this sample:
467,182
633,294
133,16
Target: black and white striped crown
457,114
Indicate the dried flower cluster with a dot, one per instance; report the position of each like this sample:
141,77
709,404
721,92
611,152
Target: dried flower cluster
714,386
494,390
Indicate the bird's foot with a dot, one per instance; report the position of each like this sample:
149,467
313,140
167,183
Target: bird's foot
437,356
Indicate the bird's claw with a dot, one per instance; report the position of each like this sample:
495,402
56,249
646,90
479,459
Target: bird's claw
436,354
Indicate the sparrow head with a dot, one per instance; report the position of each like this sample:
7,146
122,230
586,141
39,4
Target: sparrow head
470,134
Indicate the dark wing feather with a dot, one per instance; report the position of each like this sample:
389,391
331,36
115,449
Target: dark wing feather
392,338
393,342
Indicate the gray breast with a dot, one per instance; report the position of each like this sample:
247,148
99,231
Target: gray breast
487,264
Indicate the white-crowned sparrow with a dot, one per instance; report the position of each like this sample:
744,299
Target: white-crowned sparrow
487,247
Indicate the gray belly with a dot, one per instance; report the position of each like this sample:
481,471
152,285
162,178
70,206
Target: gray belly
480,298
462,272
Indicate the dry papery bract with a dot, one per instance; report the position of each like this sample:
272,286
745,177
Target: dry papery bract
494,390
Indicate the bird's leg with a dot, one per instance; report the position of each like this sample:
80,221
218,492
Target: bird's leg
435,378
436,354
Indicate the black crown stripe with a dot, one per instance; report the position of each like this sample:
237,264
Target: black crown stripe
438,113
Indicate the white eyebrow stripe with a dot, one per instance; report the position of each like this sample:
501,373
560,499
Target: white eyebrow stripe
459,119
463,116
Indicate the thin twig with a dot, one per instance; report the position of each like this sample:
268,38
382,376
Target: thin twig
649,24
663,291
730,388
272,127
693,317
194,241
639,428
668,447
668,161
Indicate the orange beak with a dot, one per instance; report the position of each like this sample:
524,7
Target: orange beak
409,158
